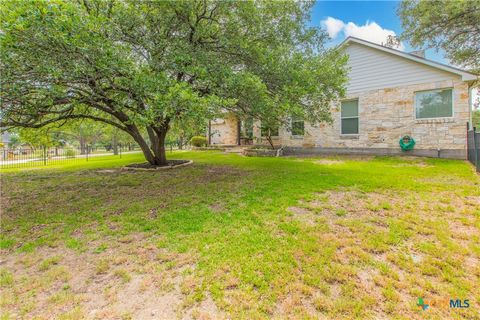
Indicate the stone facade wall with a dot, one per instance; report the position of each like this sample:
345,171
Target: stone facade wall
224,131
386,115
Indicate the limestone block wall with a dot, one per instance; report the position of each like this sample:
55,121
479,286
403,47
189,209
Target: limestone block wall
386,115
224,131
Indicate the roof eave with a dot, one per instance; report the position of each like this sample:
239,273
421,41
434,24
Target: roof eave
469,77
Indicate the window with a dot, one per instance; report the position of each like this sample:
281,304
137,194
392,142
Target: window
246,128
349,116
298,126
434,104
273,131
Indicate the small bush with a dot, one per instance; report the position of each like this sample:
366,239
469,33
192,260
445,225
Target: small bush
198,141
69,153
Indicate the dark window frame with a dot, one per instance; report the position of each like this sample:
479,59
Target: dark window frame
295,121
357,117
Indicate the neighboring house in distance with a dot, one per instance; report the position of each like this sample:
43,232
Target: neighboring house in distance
390,94
5,138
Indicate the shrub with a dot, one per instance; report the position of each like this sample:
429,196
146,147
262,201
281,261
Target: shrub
69,153
198,141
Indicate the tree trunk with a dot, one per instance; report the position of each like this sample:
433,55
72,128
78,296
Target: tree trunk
180,142
159,147
155,153
269,139
147,153
115,144
83,145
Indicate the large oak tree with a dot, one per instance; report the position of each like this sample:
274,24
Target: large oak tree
453,25
143,66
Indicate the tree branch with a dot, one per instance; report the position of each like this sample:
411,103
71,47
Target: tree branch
12,123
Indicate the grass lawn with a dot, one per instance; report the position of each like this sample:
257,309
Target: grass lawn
236,237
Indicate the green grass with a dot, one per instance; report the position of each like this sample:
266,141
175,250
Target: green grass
261,237
96,162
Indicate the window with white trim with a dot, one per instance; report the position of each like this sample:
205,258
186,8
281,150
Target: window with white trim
434,104
349,117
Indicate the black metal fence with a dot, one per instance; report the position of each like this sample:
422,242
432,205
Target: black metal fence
473,146
42,156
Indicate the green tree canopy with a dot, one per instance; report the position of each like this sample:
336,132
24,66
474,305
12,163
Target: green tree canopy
144,66
476,119
453,25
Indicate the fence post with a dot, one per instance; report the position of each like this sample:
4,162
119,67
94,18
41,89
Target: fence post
475,148
45,155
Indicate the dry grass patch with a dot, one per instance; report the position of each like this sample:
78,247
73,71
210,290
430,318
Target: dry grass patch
392,249
134,279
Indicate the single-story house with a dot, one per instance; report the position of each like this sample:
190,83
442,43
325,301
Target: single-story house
390,94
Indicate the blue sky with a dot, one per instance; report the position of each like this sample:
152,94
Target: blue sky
370,20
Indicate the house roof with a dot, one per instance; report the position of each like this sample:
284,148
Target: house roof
466,76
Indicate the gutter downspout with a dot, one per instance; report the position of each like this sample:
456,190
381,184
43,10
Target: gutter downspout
470,113
470,104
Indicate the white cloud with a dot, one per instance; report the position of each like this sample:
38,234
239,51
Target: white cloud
333,26
370,31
